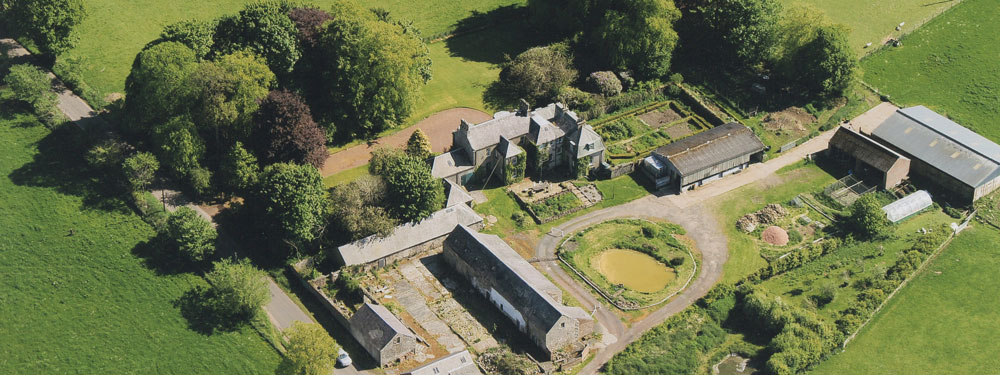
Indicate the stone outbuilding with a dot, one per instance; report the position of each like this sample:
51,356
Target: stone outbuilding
409,239
517,289
869,159
964,164
382,335
460,363
704,157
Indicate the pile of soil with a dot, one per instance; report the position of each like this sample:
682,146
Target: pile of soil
659,117
775,236
791,120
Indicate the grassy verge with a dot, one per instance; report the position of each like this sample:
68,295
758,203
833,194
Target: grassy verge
346,176
79,294
949,65
942,322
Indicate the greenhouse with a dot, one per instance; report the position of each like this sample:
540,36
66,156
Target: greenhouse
908,206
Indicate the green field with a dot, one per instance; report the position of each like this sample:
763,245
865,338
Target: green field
945,321
875,21
116,31
744,254
949,65
73,296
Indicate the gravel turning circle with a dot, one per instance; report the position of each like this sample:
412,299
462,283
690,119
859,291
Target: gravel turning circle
775,236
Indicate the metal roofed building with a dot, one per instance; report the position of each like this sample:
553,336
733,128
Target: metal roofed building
704,157
943,152
517,289
907,206
408,239
382,335
460,363
868,158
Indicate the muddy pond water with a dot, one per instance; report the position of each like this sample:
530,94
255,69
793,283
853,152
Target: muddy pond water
634,270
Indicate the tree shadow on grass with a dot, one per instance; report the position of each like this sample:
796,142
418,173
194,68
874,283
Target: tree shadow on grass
199,307
158,255
60,164
495,43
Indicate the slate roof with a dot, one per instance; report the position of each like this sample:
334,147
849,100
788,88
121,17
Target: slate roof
440,223
942,143
584,136
456,194
711,147
527,289
510,125
542,131
460,363
865,149
507,149
377,326
449,164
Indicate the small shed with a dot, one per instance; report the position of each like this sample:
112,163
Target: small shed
908,206
382,334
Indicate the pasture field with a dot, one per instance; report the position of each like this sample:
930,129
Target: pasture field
115,31
74,296
949,65
944,321
876,21
744,252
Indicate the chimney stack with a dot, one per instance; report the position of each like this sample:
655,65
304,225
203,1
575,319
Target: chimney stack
464,126
524,108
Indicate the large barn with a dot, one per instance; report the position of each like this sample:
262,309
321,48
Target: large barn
963,163
704,157
869,159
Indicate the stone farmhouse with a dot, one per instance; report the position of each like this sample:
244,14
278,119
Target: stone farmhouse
555,134
942,152
519,290
382,335
704,157
869,159
460,363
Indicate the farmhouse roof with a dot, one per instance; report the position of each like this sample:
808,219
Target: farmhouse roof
377,325
587,141
711,147
460,363
865,149
542,131
942,143
507,148
526,288
512,125
449,164
456,194
372,248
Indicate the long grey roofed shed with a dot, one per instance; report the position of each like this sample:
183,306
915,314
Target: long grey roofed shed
711,147
942,143
440,223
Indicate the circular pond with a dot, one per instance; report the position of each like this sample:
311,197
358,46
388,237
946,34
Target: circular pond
633,269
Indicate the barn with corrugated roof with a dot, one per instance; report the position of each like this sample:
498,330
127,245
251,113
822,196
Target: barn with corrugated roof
942,152
871,161
704,157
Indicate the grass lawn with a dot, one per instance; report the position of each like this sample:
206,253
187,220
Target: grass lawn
874,21
945,321
949,65
344,177
75,298
744,254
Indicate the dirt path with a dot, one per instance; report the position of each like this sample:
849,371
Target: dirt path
438,128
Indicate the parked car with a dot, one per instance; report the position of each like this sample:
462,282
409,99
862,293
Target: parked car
343,359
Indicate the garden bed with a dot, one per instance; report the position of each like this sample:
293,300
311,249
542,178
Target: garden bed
636,263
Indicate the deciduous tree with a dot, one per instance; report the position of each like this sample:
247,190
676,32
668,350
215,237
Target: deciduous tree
32,86
310,350
412,193
264,28
239,169
636,35
139,171
196,35
238,290
357,208
226,94
49,23
867,217
290,204
538,74
745,30
309,22
285,131
155,89
190,235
